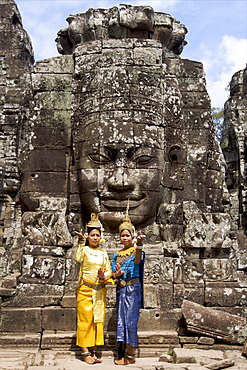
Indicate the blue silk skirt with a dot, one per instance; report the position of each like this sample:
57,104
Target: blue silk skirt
129,302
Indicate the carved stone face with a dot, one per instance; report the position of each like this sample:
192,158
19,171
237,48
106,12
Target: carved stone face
120,162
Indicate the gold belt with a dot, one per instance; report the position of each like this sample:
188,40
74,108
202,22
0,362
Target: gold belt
123,283
92,285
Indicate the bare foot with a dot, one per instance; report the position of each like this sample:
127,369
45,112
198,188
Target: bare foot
125,361
88,359
96,359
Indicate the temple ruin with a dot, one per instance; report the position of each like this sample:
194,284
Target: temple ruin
119,115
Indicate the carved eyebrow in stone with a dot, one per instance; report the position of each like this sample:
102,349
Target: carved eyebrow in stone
103,155
142,155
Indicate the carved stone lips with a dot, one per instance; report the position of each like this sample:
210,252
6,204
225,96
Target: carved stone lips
121,204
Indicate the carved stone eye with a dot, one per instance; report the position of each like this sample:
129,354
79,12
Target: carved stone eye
107,155
99,158
143,159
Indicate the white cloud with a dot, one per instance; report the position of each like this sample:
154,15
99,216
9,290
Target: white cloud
221,64
157,5
222,56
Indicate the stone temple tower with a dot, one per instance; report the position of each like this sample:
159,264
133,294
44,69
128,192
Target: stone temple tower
118,117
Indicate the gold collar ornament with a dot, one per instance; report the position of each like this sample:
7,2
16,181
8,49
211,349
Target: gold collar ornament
126,252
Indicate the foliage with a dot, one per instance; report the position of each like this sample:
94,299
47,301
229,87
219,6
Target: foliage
218,118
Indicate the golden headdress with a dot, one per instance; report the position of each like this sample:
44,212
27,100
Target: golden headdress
126,224
94,223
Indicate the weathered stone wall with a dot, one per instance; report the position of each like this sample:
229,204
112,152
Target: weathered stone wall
119,115
234,146
16,58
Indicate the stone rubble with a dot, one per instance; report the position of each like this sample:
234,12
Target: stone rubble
28,359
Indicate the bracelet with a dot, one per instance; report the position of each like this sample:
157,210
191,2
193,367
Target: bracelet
105,278
139,246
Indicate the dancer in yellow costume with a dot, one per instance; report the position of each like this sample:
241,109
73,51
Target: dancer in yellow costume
95,272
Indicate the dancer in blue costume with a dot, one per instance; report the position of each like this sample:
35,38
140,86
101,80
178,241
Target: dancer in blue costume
127,267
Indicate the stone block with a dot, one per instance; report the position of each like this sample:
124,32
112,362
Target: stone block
40,269
189,271
48,117
158,269
237,311
58,319
151,296
182,355
198,100
9,281
220,364
192,292
92,47
214,347
147,57
111,320
228,294
111,296
49,233
244,350
213,198
206,340
18,340
71,271
187,339
171,367
44,250
7,292
49,183
47,160
49,82
214,323
51,99
159,319
61,64
20,320
196,367
219,269
142,78
35,295
68,301
52,137
159,338
164,358
59,340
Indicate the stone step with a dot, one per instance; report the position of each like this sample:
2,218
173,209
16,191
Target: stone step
150,343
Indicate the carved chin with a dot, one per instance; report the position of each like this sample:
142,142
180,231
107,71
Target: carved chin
113,219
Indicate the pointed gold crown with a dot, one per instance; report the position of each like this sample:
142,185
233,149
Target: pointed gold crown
126,224
94,223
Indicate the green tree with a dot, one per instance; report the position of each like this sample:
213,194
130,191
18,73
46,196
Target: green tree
218,118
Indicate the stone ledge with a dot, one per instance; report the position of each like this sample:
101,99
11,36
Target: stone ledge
15,340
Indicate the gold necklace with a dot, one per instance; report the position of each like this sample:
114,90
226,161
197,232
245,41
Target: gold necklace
126,252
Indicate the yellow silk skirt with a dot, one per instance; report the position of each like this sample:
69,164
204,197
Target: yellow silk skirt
89,333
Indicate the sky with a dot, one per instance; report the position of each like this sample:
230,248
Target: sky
217,32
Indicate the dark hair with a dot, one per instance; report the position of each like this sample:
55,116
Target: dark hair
126,230
89,229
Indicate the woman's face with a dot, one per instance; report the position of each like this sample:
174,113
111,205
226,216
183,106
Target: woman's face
126,238
94,238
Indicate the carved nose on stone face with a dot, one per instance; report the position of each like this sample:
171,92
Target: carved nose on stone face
120,181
